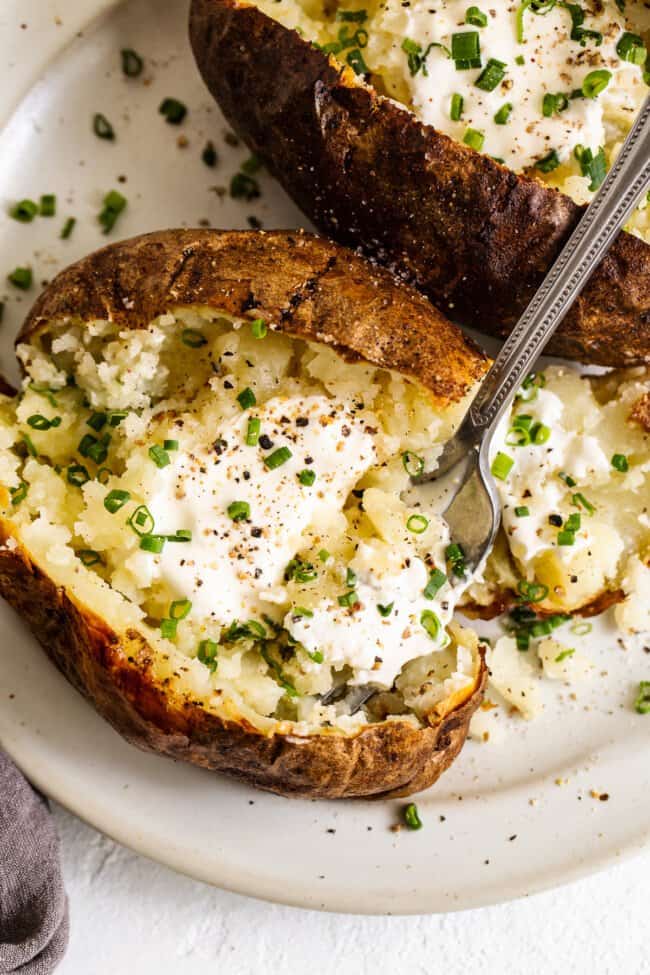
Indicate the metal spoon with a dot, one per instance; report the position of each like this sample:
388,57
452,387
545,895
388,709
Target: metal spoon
474,513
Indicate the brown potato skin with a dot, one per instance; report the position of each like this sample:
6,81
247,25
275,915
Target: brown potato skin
299,283
475,237
306,287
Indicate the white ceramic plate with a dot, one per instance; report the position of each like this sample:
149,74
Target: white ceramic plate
510,818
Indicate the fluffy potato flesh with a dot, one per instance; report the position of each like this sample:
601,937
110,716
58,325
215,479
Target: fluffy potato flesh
532,114
575,488
233,495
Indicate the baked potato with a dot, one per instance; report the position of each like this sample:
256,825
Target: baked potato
200,513
333,98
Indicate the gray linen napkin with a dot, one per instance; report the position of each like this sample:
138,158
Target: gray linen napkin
33,905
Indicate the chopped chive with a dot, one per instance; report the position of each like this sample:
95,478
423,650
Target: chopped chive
352,16
430,623
302,611
168,629
273,665
239,510
437,579
539,433
631,48
277,458
564,656
97,421
413,463
115,417
348,599
207,654
152,543
475,17
253,431
47,207
501,466
116,499
103,474
350,577
522,639
114,204
170,444
474,139
29,443
596,82
88,557
642,703
548,163
417,524
466,50
581,628
173,110
102,127
620,463
193,338
323,555
532,592
18,494
501,117
492,75
385,611
246,398
78,475
132,63
522,512
566,537
568,480
572,523
142,521
244,187
159,456
307,477
181,535
553,104
39,422
180,609
300,571
456,107
580,501
520,60
44,391
21,277
259,328
595,167
412,817
209,155
24,211
456,558
67,228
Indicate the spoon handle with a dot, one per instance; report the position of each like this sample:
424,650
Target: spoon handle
584,250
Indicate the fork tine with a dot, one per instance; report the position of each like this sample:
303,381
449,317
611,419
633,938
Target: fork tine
474,514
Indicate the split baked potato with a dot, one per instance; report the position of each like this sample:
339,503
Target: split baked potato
200,511
333,97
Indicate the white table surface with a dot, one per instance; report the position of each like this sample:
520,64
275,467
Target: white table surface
129,914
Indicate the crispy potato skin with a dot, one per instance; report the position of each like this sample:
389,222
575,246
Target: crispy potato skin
301,284
114,674
472,235
309,288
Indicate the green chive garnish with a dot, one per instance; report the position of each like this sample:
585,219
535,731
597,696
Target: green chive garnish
246,398
170,444
437,579
631,48
413,463
503,114
430,622
642,703
102,127
39,422
239,510
580,501
132,63
18,494
412,817
159,456
548,163
522,512
168,629
277,458
47,206
24,211
180,608
253,431
466,50
78,475
21,277
492,75
620,463
476,17
596,82
173,110
259,328
116,499
456,107
307,477
474,139
385,611
207,654
67,228
152,543
348,599
114,205
88,557
532,592
566,537
141,521
417,524
456,558
501,466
